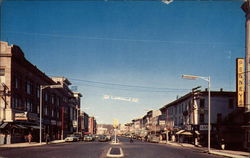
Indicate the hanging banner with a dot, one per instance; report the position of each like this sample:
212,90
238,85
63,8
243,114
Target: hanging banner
240,82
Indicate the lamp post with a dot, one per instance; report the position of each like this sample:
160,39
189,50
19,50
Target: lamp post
41,101
192,77
77,119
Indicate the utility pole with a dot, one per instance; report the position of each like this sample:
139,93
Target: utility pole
195,92
246,8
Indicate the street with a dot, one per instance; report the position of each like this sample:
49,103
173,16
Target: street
137,149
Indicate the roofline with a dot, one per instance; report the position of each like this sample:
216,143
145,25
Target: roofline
213,93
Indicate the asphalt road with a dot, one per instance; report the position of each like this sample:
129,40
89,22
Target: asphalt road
137,149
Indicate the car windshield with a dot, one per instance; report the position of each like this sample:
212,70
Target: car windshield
124,78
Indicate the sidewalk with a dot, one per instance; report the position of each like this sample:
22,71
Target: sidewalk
227,153
26,144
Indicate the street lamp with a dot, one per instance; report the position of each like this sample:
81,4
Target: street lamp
192,77
41,100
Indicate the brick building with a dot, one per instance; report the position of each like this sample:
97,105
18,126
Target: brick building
20,83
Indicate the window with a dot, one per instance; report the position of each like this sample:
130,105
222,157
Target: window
202,103
231,104
46,111
38,109
57,101
219,117
52,112
202,118
28,87
16,82
2,72
37,92
52,99
46,97
29,105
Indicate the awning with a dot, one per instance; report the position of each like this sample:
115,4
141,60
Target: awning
3,125
198,133
20,126
35,127
186,133
180,131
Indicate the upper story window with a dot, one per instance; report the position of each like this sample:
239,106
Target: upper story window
231,103
52,112
53,99
28,87
202,103
37,92
46,97
16,82
57,101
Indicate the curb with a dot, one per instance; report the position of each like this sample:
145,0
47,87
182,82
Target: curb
228,155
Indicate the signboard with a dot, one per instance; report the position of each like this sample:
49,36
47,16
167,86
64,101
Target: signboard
203,127
21,116
240,84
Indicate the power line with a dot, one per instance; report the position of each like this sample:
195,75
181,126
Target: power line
128,87
123,39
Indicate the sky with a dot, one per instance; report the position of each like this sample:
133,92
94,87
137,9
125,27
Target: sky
127,57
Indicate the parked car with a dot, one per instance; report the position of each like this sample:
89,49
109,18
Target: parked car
79,136
88,138
71,138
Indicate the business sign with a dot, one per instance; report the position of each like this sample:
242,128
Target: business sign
21,116
240,82
26,116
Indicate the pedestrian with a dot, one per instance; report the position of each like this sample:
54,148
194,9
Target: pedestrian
29,138
47,138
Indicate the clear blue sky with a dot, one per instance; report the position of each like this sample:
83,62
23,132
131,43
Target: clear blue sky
144,43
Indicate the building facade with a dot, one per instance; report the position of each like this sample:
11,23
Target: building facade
187,117
20,88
